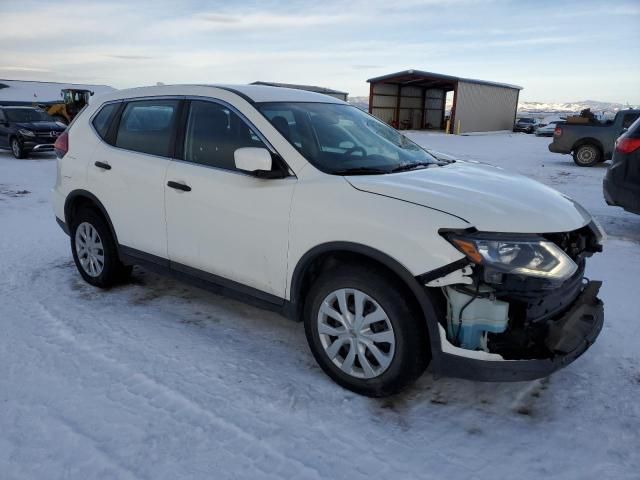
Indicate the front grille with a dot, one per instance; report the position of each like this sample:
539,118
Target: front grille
49,134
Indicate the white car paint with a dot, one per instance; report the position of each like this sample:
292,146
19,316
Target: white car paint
236,227
255,231
487,197
548,129
385,212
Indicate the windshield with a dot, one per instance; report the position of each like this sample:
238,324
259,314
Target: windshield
525,120
343,140
27,115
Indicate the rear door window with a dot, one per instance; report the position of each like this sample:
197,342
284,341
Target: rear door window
147,126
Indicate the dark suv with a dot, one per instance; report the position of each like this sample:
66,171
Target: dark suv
526,125
26,129
622,181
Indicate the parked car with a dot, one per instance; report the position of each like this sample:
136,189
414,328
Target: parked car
26,129
527,125
548,129
622,181
592,142
306,205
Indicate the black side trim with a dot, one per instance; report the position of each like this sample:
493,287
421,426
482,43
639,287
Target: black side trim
176,128
204,280
418,290
63,226
132,256
177,149
114,124
442,271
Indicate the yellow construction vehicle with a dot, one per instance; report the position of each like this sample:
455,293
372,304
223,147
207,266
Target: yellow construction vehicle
73,100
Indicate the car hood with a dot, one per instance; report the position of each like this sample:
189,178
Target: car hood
487,197
41,126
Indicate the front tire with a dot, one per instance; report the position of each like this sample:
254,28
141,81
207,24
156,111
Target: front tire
94,250
587,155
363,332
17,149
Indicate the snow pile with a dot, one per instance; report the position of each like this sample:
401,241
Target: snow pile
159,380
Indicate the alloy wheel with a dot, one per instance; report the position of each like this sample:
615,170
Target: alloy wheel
356,333
15,147
89,249
586,155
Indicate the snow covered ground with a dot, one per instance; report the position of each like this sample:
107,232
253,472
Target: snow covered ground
158,380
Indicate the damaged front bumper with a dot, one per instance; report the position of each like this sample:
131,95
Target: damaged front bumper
568,337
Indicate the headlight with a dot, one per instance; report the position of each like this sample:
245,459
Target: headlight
26,133
535,257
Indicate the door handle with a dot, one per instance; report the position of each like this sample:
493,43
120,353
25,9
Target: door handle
178,186
104,166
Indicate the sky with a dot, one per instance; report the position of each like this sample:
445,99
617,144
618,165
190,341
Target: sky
557,50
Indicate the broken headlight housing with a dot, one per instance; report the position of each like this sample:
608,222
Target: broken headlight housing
516,254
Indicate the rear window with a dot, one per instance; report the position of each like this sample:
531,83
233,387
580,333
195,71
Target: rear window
146,126
629,118
102,120
634,129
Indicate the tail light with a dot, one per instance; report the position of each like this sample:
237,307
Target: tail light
557,132
627,145
61,146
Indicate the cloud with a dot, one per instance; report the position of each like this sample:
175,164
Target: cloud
12,68
262,20
129,57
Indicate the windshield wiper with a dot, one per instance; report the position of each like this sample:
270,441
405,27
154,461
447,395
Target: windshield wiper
411,166
361,171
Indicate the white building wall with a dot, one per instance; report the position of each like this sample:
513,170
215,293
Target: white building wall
26,91
485,108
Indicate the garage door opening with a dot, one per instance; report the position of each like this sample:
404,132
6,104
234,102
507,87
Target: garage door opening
417,100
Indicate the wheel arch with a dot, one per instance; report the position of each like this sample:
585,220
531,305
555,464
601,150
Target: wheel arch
588,141
324,256
79,198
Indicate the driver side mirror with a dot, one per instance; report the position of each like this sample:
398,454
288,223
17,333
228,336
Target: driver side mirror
257,161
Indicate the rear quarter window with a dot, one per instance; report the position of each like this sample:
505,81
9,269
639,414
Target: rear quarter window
102,120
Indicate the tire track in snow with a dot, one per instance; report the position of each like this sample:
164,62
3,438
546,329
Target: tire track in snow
75,429
166,400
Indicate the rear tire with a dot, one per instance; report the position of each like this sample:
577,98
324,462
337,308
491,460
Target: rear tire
587,155
17,149
375,359
94,250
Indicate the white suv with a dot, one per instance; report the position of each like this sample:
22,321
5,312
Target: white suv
391,256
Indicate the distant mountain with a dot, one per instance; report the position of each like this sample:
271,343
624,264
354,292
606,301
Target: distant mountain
360,102
540,109
570,107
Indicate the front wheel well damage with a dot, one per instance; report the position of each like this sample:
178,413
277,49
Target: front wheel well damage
310,268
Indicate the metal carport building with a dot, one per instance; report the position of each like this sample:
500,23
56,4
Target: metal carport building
414,99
